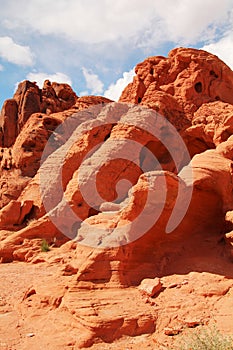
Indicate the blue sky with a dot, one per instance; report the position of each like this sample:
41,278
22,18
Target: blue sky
94,45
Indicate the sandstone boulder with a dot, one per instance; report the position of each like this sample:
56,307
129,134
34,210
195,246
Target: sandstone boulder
189,77
150,287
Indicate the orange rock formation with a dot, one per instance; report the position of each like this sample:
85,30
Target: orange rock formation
62,160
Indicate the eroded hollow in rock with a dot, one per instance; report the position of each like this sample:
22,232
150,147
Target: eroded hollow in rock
153,156
198,87
213,74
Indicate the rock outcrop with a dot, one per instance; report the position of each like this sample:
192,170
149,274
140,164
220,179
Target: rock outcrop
178,85
129,143
121,192
20,159
29,99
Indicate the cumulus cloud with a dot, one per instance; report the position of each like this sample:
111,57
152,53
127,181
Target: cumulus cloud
93,83
83,93
97,21
15,53
68,34
148,21
190,21
114,90
223,49
56,77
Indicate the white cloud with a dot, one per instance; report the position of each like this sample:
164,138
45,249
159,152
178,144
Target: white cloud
185,21
114,90
83,93
87,21
41,77
223,49
147,22
68,34
93,82
15,53
1,68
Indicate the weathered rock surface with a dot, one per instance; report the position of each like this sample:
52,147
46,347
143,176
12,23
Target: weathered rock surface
150,286
29,99
20,162
178,85
8,122
63,313
112,191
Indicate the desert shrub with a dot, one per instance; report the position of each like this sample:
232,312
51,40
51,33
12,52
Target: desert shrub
44,246
206,339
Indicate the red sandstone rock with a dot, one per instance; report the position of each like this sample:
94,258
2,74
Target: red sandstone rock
11,184
190,77
30,143
211,125
150,286
24,158
8,122
29,99
172,331
86,294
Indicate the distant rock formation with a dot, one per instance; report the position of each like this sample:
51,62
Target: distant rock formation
29,99
192,89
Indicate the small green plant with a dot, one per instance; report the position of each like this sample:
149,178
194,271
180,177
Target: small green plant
206,339
44,246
